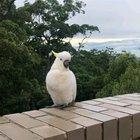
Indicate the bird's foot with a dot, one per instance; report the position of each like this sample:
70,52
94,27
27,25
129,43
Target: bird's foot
63,106
53,106
67,105
72,103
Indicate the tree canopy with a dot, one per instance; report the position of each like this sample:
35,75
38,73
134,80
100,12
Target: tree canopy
27,36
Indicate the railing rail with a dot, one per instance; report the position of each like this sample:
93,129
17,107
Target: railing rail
110,118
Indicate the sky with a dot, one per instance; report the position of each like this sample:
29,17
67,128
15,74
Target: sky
116,19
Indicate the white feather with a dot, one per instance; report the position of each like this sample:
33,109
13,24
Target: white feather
61,82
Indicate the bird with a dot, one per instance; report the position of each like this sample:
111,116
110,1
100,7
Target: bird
61,81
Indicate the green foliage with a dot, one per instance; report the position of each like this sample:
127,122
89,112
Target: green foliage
7,9
29,33
18,69
129,82
90,68
123,76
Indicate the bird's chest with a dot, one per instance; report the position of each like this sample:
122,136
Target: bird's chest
57,79
61,78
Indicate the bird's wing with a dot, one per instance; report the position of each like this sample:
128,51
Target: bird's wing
73,85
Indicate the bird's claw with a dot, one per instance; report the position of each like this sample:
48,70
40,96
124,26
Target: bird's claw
67,105
61,106
72,103
58,106
53,106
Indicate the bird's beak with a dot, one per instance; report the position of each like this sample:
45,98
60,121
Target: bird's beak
55,54
66,63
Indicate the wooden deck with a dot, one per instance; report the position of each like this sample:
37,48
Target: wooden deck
111,118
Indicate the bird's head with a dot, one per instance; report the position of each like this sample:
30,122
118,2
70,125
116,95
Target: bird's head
63,58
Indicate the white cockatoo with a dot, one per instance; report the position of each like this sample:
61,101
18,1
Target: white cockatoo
61,81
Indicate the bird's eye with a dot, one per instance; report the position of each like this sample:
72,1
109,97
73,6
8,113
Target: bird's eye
61,59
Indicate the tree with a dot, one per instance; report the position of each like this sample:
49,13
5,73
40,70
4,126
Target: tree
7,8
27,35
118,78
17,68
129,82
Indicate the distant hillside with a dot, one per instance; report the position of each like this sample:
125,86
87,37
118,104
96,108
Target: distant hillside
129,45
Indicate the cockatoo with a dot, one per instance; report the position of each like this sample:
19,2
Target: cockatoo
61,81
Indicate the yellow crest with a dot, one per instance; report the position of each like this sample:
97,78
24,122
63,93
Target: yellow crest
55,54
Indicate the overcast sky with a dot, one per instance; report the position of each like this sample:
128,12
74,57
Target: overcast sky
115,18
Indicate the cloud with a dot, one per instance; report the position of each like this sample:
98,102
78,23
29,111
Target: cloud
115,18
20,3
129,45
118,21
